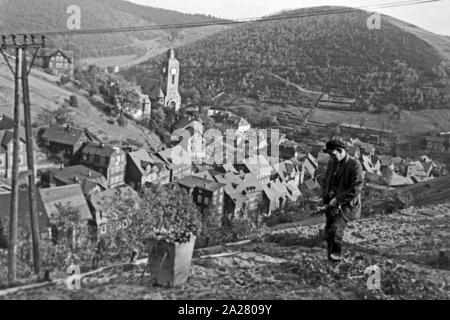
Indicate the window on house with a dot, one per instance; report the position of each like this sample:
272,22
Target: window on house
206,200
103,229
199,199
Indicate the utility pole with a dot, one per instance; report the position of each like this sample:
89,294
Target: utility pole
21,73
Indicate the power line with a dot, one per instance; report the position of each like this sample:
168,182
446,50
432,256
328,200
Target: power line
231,22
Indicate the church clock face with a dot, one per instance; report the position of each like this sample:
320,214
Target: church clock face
173,71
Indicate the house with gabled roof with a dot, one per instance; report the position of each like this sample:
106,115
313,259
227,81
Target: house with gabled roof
288,171
106,219
208,195
70,196
259,166
90,180
243,194
178,160
66,140
58,61
106,159
143,168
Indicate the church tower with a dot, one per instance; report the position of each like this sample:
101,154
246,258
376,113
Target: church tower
173,98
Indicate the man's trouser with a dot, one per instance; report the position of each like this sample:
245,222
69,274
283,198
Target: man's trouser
334,231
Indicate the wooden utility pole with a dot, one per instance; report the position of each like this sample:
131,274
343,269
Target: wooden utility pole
21,73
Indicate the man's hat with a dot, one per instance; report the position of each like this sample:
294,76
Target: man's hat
333,145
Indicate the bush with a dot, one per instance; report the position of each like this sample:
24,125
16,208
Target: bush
122,121
73,101
242,227
398,200
161,213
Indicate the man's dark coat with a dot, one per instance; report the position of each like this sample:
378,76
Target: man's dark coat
349,186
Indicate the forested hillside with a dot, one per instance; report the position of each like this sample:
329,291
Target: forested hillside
334,52
19,16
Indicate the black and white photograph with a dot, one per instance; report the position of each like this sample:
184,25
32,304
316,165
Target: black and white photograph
225,155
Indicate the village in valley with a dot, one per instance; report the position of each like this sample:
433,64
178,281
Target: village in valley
242,180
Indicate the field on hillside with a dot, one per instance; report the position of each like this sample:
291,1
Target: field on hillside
411,122
47,96
419,122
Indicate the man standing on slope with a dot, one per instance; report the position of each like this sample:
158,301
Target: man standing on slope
341,196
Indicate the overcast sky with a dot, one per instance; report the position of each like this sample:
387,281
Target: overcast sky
434,17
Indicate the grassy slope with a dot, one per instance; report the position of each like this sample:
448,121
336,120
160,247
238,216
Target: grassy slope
45,95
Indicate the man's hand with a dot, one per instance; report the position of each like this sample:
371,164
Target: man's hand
333,202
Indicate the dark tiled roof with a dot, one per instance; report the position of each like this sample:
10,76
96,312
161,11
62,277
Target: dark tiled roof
70,175
6,123
100,149
152,87
193,182
24,210
63,135
47,52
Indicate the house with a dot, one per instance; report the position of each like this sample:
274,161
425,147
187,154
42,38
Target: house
365,148
208,195
237,123
189,134
58,61
419,169
90,180
277,194
71,196
178,160
376,163
243,194
153,88
287,152
24,213
438,143
259,166
288,171
67,141
7,145
310,166
106,159
112,69
293,189
106,219
143,168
